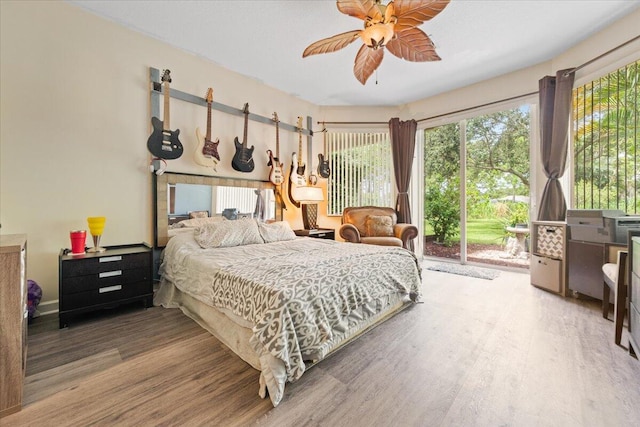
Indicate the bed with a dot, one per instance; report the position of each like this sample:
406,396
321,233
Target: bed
280,302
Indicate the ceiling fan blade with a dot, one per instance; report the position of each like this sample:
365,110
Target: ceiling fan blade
367,61
413,45
331,44
412,13
360,9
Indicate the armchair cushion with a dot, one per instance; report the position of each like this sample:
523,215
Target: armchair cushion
379,225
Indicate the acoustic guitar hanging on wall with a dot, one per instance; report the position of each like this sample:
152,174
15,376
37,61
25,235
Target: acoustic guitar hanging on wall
163,142
206,153
242,160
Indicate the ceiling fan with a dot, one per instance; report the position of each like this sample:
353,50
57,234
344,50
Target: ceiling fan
392,26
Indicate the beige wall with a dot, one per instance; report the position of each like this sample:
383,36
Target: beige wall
75,113
76,118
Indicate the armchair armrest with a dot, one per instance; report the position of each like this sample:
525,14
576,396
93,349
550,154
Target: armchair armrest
350,233
405,232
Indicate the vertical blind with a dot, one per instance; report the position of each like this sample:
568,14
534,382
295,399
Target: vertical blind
361,170
606,136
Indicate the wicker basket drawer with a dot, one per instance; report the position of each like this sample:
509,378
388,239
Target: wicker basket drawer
550,241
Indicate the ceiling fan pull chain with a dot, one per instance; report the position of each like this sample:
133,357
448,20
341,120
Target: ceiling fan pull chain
376,76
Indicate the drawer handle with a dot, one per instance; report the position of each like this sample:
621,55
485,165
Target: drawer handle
111,258
110,274
110,289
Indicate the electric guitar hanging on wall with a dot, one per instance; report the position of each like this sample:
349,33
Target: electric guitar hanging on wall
297,175
242,160
206,153
163,142
275,176
323,165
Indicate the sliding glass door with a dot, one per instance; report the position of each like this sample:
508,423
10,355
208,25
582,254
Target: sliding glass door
477,209
442,191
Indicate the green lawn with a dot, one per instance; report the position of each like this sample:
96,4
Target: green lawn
485,231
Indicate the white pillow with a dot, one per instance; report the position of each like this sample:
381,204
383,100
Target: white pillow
224,234
276,231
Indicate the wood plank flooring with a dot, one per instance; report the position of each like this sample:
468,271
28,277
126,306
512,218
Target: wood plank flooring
475,352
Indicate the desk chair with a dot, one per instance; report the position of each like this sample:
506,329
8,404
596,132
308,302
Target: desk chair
615,279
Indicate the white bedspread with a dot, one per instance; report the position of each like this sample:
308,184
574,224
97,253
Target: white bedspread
296,294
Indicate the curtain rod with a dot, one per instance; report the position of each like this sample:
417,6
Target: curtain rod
434,117
477,106
581,66
353,123
573,70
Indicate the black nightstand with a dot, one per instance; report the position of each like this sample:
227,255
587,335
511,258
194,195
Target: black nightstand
318,233
93,281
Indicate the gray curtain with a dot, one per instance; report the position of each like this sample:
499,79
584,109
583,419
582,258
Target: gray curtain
555,110
403,137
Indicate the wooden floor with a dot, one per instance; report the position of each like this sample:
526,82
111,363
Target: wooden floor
476,352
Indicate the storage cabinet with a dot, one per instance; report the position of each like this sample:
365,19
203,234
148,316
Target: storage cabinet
94,281
548,258
13,321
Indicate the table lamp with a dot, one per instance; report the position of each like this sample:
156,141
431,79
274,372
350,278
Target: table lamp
96,227
308,197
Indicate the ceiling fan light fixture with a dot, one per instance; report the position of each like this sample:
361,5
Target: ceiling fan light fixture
392,26
377,35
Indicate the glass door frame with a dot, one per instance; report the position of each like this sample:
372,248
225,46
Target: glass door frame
537,178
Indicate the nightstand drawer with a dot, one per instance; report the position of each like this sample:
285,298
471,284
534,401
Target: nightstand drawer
82,267
318,233
106,294
77,284
325,235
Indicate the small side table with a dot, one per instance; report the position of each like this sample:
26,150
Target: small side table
93,281
318,233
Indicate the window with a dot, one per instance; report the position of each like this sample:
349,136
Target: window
361,170
606,136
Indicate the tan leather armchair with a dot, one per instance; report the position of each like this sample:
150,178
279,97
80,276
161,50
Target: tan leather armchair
376,226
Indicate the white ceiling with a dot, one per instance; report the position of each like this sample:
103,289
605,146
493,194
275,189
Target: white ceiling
264,39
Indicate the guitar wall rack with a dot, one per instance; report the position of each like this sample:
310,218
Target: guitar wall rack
157,90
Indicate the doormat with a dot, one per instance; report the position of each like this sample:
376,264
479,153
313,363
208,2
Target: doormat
466,270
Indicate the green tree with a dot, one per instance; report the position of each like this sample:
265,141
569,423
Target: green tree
497,158
442,181
498,147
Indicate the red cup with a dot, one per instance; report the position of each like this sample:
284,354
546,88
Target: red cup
78,240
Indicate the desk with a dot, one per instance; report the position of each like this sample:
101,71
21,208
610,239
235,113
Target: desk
521,236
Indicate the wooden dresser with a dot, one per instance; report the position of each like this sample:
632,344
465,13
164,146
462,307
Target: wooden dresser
13,321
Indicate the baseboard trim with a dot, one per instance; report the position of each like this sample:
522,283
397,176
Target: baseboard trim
49,307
